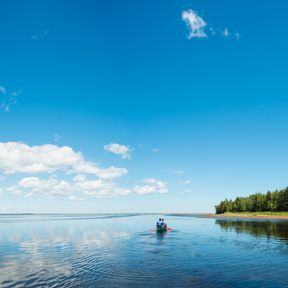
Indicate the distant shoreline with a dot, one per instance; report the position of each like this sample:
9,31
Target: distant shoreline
246,216
254,215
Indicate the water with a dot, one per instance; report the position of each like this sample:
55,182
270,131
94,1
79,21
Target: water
124,251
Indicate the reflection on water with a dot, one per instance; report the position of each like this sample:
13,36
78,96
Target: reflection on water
38,259
104,251
256,228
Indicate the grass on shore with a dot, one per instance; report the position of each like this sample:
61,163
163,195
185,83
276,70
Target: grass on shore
257,213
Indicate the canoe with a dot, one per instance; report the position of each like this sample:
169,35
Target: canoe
160,230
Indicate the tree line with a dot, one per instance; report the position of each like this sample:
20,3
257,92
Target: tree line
271,201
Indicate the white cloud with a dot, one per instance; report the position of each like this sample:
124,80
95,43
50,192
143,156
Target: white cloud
80,185
185,182
60,171
47,159
50,187
86,168
7,99
212,30
107,189
91,185
4,107
21,158
119,149
57,137
185,191
176,171
79,178
108,173
14,190
226,32
112,172
151,186
155,150
195,24
40,34
237,35
75,198
2,90
99,188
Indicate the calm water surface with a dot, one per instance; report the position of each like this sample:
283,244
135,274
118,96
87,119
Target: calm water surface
124,251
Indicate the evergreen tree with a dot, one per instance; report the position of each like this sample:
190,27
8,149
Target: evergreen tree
258,202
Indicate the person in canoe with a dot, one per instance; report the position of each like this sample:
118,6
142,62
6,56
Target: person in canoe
164,225
161,225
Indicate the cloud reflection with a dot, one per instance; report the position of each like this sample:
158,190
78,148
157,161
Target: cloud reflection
37,258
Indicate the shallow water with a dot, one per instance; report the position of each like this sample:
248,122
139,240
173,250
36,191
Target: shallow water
124,251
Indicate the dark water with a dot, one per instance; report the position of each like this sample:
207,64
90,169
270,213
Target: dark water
123,251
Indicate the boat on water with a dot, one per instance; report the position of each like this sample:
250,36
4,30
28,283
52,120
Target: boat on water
161,226
162,229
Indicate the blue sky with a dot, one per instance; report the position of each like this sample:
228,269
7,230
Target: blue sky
141,106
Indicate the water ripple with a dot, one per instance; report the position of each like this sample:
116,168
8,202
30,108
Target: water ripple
126,252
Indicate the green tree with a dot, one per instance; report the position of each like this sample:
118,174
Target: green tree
258,202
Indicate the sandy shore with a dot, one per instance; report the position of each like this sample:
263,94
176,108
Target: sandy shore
268,217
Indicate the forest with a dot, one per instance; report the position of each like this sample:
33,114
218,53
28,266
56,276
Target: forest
271,201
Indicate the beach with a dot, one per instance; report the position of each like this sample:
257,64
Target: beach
247,216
